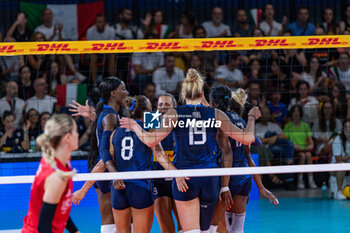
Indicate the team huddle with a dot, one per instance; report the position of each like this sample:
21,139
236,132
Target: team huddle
123,143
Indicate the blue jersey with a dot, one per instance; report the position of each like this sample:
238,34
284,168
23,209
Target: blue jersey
99,127
195,137
238,150
168,144
130,154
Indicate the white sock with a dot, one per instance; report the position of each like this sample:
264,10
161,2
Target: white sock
132,227
237,225
207,231
193,231
310,179
108,228
180,231
213,229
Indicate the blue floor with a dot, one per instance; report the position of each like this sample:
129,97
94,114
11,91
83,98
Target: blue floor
293,214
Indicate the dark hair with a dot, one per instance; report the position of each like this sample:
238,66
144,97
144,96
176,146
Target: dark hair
322,119
301,8
168,55
190,17
299,83
152,23
140,105
196,28
290,113
342,135
345,54
150,35
171,97
50,77
32,109
121,11
7,114
343,13
43,113
105,87
333,22
236,107
149,84
259,29
342,101
220,95
319,70
232,56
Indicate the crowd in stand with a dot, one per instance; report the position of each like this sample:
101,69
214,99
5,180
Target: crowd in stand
303,94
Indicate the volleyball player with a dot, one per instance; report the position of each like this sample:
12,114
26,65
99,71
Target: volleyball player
112,93
162,195
195,148
133,197
235,189
51,193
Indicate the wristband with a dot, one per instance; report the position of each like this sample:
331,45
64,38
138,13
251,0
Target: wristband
224,189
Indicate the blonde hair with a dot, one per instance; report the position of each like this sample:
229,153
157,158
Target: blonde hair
55,128
240,96
192,86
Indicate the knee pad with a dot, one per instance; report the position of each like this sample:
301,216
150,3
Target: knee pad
108,228
193,231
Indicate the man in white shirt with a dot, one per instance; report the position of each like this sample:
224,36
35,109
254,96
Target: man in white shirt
269,26
12,103
215,28
51,32
40,101
101,31
168,79
124,30
230,74
344,70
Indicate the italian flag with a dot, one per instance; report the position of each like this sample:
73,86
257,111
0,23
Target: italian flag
76,18
66,93
255,16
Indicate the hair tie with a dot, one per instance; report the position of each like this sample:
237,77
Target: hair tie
226,97
131,108
102,100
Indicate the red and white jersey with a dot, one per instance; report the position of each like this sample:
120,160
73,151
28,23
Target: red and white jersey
60,219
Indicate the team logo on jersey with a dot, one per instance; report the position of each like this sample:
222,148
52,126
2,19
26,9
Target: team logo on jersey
151,120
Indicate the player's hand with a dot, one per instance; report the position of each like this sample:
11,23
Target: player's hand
269,195
81,110
78,196
226,199
255,112
119,184
127,123
181,183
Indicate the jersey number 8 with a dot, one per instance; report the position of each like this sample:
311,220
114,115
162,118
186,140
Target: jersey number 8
129,148
197,131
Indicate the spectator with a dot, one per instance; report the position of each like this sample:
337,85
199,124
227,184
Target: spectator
150,92
280,80
307,102
34,129
302,27
329,25
242,28
343,71
299,133
187,24
18,30
155,23
44,117
230,74
9,66
340,103
54,78
344,25
215,27
25,86
101,31
50,31
13,140
39,63
254,73
341,151
84,125
168,79
197,62
273,137
277,109
41,101
269,26
255,97
12,103
295,60
144,64
325,129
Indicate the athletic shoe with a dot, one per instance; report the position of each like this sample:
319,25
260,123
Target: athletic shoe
312,185
340,196
301,186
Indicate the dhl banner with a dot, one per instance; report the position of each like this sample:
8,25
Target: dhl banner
174,45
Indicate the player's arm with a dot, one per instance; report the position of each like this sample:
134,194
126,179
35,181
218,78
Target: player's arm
54,187
109,123
82,110
165,162
151,139
246,136
258,181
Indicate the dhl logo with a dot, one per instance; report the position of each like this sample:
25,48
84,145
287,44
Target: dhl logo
7,49
271,42
168,153
324,41
53,47
108,46
217,44
161,46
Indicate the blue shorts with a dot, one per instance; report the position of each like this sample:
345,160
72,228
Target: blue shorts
104,186
161,188
243,189
206,188
133,196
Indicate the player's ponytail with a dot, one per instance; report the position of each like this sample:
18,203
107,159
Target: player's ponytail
238,101
136,105
192,86
55,128
221,96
